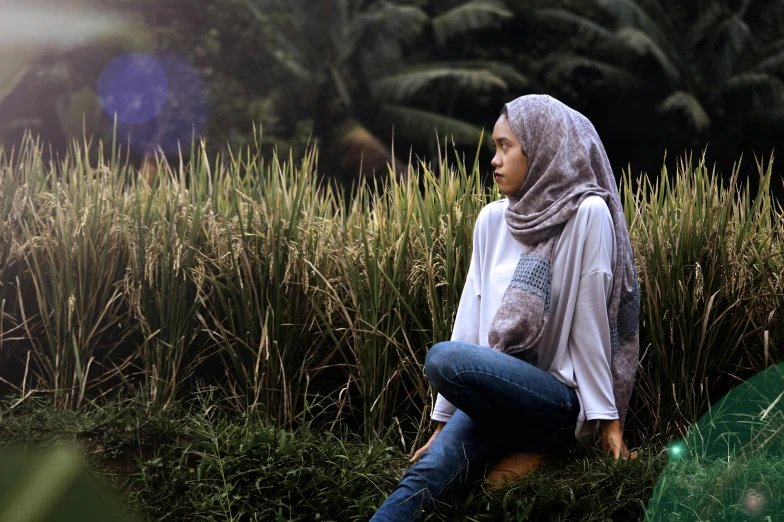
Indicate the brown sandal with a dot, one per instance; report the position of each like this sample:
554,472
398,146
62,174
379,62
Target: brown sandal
513,467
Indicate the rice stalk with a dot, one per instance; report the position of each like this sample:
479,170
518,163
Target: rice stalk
165,236
75,230
261,317
703,260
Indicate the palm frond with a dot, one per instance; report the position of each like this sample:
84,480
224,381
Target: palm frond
585,26
676,12
469,16
773,47
379,32
643,44
344,40
290,53
685,102
629,12
766,91
764,17
669,18
404,84
637,33
507,73
773,63
569,64
732,35
297,54
402,22
701,32
744,80
418,124
293,61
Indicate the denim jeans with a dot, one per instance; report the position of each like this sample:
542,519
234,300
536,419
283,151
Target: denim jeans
504,405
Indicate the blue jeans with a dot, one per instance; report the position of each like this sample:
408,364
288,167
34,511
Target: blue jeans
504,405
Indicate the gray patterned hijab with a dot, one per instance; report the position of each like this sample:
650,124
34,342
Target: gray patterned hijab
566,164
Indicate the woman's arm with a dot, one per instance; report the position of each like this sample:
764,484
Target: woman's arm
466,325
466,329
590,343
590,346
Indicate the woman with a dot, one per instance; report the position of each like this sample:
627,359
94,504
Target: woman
552,290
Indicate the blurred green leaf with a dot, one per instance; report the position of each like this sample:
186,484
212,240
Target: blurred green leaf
53,486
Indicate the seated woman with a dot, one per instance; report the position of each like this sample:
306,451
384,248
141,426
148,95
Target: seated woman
545,344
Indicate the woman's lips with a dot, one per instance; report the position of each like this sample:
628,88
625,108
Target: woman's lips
496,175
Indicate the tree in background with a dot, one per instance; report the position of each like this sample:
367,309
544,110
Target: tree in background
678,74
359,68
651,75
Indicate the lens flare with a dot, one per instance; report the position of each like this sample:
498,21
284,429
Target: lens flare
134,87
753,502
162,104
727,463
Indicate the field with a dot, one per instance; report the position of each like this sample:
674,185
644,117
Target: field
241,341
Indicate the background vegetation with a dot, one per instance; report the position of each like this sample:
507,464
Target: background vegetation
652,75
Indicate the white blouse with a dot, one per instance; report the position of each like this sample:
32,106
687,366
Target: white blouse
575,347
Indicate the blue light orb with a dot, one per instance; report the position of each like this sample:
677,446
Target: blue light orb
134,87
178,123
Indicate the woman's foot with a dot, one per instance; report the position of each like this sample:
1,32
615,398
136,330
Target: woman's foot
613,444
626,457
513,467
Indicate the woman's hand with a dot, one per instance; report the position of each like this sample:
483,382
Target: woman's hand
427,446
612,439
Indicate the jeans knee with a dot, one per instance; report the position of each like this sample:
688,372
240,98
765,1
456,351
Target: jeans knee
435,360
416,491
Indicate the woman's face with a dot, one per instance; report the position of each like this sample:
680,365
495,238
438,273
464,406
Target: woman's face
510,161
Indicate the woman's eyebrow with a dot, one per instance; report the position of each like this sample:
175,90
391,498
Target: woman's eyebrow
502,138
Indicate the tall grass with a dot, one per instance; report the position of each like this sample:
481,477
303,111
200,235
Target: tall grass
166,233
440,251
74,259
256,278
13,212
709,266
263,265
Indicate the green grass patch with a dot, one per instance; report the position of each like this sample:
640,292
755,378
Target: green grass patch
197,461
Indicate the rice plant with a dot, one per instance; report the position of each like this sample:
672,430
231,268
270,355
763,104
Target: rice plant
705,263
263,262
13,211
74,259
165,235
440,249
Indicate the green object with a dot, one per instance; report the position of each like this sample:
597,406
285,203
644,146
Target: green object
53,486
728,467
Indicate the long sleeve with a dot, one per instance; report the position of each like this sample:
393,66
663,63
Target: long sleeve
466,326
466,329
589,345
